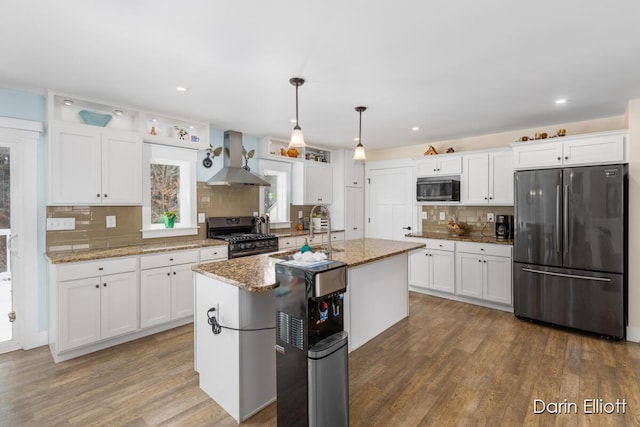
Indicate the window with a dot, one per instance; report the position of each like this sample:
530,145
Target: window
275,199
169,185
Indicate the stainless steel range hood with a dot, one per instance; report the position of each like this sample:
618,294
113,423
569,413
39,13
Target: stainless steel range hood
232,173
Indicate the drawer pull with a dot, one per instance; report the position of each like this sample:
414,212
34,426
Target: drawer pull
170,259
100,268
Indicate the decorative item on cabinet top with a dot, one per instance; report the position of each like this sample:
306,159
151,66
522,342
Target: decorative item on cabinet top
95,119
430,151
543,135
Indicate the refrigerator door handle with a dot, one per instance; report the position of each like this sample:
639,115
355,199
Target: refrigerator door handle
565,225
571,276
558,220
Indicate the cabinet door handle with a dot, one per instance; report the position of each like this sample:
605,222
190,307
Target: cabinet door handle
485,261
435,169
485,198
215,253
168,274
482,249
566,157
490,198
98,195
105,196
104,284
559,158
319,200
174,273
97,286
479,260
406,228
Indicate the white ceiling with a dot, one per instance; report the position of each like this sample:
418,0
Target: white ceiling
454,68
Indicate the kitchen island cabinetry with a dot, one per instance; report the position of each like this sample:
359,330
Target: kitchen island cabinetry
484,272
94,166
93,301
433,267
237,368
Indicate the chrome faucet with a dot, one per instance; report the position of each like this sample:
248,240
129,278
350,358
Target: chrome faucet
326,211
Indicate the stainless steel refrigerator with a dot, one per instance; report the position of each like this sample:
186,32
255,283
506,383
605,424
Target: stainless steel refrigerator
570,248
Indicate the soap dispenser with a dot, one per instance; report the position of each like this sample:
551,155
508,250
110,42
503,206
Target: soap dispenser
305,247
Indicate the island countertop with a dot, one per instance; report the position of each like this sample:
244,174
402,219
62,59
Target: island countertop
257,273
463,238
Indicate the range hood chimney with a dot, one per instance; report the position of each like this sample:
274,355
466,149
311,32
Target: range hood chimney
232,173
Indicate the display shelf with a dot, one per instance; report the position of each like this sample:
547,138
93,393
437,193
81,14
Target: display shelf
159,129
66,109
277,149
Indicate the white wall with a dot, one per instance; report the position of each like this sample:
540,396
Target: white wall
633,124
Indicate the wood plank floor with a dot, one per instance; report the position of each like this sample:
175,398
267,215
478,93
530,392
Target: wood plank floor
449,363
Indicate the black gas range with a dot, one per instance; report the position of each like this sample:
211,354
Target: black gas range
240,233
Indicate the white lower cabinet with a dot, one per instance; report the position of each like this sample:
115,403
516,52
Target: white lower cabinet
484,271
94,308
166,293
433,268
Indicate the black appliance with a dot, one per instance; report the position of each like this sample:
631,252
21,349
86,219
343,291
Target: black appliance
504,227
311,345
438,189
570,248
240,232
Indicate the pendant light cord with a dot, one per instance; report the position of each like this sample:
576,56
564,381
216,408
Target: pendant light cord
297,124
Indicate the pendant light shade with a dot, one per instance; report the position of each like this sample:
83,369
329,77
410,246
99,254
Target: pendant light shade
359,153
297,139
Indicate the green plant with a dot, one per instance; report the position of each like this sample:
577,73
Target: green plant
169,214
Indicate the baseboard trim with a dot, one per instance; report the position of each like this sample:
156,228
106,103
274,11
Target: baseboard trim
633,334
459,298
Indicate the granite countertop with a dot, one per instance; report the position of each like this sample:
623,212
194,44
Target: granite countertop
286,232
463,238
93,254
257,273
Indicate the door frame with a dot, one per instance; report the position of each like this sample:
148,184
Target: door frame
22,137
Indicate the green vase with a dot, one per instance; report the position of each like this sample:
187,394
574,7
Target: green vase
169,222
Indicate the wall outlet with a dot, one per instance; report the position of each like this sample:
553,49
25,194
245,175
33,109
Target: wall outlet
491,217
111,221
61,224
442,216
299,214
424,215
255,213
201,217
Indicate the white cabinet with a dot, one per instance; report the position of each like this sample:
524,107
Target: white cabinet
353,171
290,242
483,271
603,148
433,267
92,301
214,253
94,166
337,236
440,165
166,287
488,178
354,213
312,183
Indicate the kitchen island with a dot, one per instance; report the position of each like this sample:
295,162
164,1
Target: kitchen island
237,368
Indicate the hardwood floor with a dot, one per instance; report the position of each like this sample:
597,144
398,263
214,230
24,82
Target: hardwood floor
449,363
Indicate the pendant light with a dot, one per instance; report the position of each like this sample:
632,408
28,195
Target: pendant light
297,139
359,153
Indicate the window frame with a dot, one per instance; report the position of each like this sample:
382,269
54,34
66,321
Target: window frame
187,160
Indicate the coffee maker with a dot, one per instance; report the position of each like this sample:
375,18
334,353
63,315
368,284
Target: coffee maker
504,227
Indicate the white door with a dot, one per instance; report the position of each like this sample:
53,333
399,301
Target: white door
119,304
181,291
155,296
354,212
79,318
390,203
19,251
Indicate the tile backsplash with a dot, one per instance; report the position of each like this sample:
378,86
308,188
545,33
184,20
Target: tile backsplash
91,231
474,216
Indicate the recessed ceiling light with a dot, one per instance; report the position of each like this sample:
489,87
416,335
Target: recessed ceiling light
154,120
67,102
182,88
117,112
561,101
415,128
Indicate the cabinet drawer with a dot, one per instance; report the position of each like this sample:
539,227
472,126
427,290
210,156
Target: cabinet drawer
445,245
484,249
168,258
80,270
316,239
214,253
336,237
289,242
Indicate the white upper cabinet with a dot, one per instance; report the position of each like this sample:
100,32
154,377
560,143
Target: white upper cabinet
354,213
353,171
488,178
602,148
312,183
94,166
440,165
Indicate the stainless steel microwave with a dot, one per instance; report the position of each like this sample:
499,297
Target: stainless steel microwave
438,189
